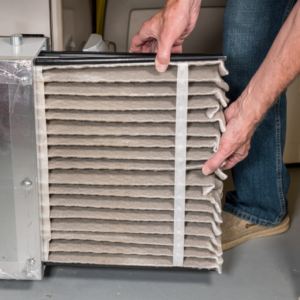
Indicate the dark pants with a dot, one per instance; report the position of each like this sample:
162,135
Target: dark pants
261,180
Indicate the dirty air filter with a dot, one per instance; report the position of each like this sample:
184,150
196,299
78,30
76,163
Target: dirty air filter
121,148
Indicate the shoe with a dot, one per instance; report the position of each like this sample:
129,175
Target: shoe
236,231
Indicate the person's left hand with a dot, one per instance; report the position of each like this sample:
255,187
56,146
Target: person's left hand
235,142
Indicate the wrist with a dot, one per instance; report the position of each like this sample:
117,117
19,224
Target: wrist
250,107
259,95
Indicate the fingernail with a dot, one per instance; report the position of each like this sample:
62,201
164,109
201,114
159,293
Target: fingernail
130,51
161,68
206,170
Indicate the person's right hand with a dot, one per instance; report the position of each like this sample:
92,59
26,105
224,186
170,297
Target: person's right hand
167,29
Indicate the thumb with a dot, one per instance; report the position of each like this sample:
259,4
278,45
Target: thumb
214,163
163,55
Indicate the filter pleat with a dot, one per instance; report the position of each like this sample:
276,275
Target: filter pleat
130,260
201,242
109,226
130,89
58,127
145,74
125,178
128,141
108,103
148,192
207,215
127,153
118,164
129,249
127,203
196,116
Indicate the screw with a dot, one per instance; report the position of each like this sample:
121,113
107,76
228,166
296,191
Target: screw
26,183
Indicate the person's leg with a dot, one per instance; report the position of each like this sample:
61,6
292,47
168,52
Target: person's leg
261,180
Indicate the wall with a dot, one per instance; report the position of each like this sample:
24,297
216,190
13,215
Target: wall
77,19
292,145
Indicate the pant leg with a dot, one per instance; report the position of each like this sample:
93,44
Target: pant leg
261,180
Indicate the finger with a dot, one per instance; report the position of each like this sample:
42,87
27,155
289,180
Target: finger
236,157
217,160
143,36
230,112
155,46
147,47
232,161
165,44
136,43
177,49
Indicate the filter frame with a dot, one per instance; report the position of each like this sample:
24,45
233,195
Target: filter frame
58,58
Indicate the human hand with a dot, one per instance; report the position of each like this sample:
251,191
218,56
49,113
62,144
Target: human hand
235,142
167,30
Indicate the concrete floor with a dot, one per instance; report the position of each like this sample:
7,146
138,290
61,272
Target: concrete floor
262,269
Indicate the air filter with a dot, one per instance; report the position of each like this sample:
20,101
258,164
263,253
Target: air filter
121,148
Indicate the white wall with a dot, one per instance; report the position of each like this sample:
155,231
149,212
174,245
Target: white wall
77,20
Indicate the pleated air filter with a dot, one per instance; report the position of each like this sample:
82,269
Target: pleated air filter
121,148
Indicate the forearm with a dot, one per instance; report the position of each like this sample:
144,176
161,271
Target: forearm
186,3
280,67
